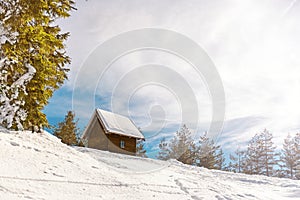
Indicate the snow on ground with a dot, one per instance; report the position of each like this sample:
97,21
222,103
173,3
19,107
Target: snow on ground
39,166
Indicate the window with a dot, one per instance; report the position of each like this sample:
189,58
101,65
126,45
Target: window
122,144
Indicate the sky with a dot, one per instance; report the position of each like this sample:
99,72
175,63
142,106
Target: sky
253,45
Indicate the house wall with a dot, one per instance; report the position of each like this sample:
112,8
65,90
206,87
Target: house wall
114,144
97,138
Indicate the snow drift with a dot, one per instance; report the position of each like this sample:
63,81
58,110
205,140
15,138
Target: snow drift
39,166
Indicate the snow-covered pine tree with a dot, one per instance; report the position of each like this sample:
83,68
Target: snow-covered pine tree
140,150
206,155
230,167
253,156
261,155
67,130
269,156
182,146
281,171
164,153
220,159
297,150
288,157
237,160
32,59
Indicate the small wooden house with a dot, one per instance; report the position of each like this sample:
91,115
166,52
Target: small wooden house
111,132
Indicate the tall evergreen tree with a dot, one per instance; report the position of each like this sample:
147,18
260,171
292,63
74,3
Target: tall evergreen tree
67,130
220,160
253,156
261,155
289,156
237,160
269,156
32,59
182,146
297,151
140,149
207,153
164,153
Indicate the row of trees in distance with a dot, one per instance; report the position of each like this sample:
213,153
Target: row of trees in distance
259,157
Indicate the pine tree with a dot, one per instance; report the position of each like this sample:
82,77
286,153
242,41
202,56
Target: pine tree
164,153
182,146
237,161
32,59
297,158
261,155
140,150
230,167
67,130
281,172
253,156
207,153
268,154
220,160
289,156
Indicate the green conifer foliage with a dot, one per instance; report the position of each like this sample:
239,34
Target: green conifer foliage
67,130
32,45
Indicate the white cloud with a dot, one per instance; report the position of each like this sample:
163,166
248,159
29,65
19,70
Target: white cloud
254,44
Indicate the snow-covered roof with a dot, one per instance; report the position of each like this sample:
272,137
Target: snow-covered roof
118,124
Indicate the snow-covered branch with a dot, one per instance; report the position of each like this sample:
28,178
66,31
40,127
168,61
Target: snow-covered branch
10,104
23,80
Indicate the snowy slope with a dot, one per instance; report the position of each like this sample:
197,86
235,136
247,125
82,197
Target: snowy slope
39,166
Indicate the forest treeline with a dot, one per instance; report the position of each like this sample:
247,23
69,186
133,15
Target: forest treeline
260,155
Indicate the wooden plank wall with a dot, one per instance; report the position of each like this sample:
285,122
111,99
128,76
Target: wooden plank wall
114,144
97,138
